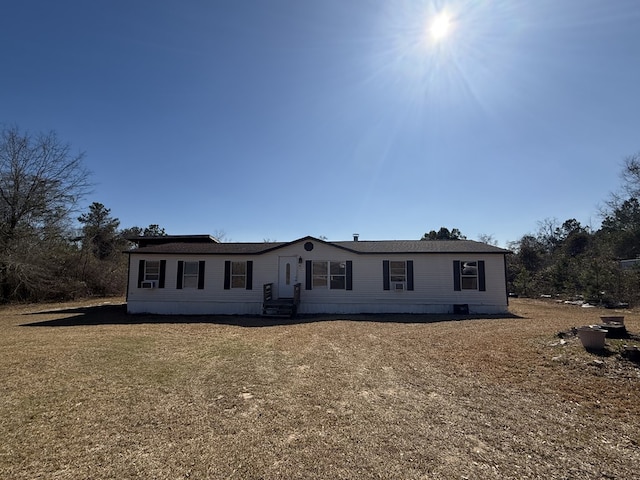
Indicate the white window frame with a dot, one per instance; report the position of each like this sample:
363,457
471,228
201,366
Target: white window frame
320,279
469,280
395,277
328,278
189,277
336,276
238,279
149,274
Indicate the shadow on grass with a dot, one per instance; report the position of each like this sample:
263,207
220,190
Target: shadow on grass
606,352
117,315
632,356
601,352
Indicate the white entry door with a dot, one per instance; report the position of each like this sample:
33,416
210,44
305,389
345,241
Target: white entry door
288,276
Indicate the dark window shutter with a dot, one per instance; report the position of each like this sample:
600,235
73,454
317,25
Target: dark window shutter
249,274
308,275
227,275
201,275
409,274
481,281
180,274
140,273
385,275
349,275
456,275
163,273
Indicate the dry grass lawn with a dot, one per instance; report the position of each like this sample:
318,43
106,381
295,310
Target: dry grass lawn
93,393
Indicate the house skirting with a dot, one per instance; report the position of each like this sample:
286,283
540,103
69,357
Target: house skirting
308,308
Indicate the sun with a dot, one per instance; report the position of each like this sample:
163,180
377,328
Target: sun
440,27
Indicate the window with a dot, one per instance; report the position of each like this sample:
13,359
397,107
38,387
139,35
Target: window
151,270
238,274
328,274
320,274
397,275
190,275
469,275
338,272
398,272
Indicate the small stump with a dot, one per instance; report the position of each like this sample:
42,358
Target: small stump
592,337
615,330
632,352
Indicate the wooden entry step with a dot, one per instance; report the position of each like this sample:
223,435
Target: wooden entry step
280,307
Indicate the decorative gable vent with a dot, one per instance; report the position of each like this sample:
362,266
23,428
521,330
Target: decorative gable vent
148,284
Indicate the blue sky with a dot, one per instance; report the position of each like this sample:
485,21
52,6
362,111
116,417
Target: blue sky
284,118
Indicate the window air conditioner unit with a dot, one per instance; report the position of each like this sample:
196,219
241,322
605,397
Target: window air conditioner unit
149,284
398,286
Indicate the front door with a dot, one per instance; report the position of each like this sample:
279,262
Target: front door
288,276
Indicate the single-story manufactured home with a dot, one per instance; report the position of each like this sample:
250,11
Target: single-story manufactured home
196,274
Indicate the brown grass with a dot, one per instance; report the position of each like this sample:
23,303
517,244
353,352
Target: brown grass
93,393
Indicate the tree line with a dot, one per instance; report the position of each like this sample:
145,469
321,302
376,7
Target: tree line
572,260
48,251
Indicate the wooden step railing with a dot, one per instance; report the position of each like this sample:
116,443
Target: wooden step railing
267,292
296,294
281,307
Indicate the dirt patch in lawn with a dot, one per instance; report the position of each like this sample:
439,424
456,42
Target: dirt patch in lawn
89,392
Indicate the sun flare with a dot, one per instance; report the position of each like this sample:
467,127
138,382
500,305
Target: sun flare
440,27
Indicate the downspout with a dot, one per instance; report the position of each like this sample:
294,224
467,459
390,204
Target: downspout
126,297
506,279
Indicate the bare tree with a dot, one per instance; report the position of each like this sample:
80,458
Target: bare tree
41,182
547,233
630,176
487,238
220,236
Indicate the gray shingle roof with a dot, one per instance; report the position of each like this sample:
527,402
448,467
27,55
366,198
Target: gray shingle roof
143,241
359,247
209,248
420,246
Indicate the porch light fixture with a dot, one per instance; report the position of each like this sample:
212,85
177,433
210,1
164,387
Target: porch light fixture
299,260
